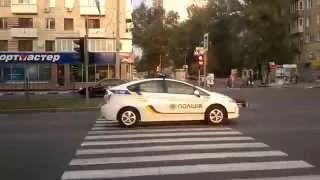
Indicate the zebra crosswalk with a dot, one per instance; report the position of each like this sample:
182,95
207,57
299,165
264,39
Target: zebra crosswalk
111,152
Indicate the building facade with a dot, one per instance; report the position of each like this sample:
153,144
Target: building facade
35,32
306,27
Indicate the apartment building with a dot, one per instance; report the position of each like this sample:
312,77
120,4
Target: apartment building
306,25
36,42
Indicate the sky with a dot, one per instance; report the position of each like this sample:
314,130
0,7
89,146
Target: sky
175,5
136,3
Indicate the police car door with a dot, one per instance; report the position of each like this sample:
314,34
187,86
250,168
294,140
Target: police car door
183,102
151,98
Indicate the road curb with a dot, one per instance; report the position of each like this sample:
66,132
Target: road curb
35,93
49,110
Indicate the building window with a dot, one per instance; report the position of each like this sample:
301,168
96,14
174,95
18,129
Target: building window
69,3
300,7
3,23
300,22
5,3
50,23
51,3
64,45
25,23
24,1
50,46
25,45
309,4
91,3
68,24
309,37
3,45
94,23
97,45
308,22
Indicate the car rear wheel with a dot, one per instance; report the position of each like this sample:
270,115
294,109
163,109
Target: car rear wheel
128,117
216,115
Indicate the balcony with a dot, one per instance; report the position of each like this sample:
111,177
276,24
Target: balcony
94,32
24,8
24,32
91,10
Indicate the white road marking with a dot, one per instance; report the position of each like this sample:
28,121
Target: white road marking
147,135
307,177
170,148
105,122
123,131
166,140
110,127
186,169
105,125
175,157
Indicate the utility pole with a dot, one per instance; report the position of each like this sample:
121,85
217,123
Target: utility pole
86,58
118,40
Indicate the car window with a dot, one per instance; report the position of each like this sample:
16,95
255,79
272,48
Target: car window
152,87
179,88
202,93
111,82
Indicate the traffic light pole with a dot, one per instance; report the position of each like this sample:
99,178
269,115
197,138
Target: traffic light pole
86,60
118,41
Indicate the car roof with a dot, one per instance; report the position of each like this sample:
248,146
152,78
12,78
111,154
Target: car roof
124,86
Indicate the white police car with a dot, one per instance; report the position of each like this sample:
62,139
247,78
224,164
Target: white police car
161,99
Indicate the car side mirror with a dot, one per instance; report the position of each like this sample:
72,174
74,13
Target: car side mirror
196,93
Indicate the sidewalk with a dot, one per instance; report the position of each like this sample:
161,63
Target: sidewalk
221,83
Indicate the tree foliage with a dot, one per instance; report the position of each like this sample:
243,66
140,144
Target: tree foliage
241,35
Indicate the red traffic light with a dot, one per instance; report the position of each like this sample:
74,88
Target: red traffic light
200,58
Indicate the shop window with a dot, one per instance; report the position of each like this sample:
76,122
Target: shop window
44,72
14,72
19,72
38,72
76,73
68,24
25,45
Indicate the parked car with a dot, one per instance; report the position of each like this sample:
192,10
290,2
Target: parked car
100,87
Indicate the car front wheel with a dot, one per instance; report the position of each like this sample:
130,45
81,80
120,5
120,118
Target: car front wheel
128,117
216,115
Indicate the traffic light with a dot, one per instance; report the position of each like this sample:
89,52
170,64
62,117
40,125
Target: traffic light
79,48
200,59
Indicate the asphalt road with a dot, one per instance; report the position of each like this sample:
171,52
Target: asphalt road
276,136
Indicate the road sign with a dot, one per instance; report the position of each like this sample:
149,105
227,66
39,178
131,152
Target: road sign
199,51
